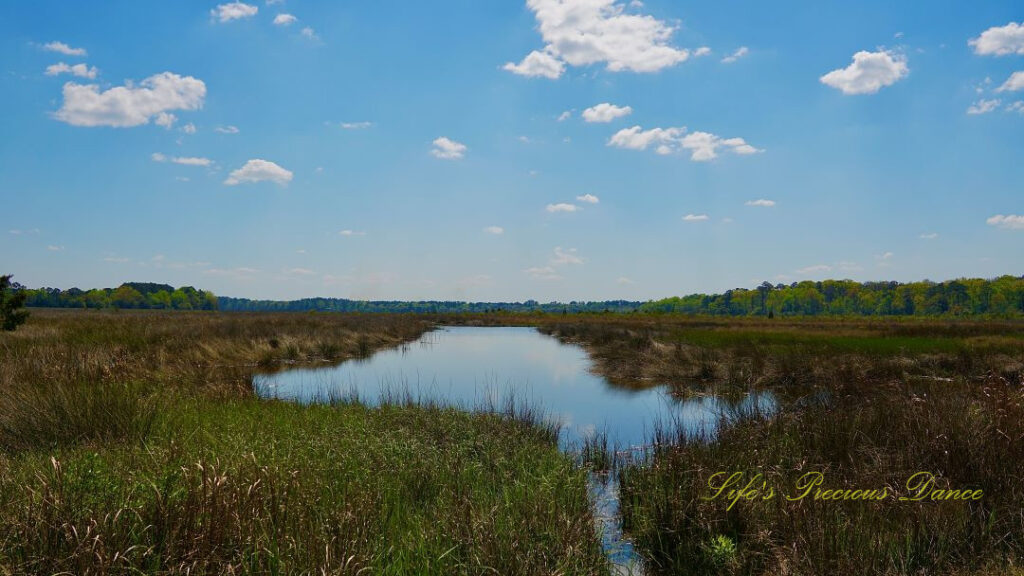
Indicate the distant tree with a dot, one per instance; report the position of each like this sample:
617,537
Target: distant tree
12,304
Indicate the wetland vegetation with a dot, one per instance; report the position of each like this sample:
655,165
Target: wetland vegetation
132,442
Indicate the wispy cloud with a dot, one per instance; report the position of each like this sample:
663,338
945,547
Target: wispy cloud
589,199
62,48
739,53
494,230
562,207
761,202
1009,221
695,218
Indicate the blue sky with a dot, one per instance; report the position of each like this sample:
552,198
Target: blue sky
546,149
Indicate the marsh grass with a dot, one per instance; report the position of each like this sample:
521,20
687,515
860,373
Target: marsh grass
132,443
971,436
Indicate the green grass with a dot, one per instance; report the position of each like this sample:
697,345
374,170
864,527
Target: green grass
269,487
131,443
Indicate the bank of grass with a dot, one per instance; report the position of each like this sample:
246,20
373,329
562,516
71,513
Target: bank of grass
131,443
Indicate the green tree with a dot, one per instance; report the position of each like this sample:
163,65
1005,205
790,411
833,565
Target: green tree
12,304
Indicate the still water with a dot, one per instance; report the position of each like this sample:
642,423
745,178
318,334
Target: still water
475,368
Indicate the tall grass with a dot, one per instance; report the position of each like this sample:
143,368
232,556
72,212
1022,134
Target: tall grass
970,435
132,443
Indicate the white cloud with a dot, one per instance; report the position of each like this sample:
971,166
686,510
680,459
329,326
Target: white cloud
234,11
869,72
695,218
299,272
80,70
183,160
589,199
703,146
983,106
53,248
585,32
1011,221
565,257
1017,106
1014,83
284,19
930,236
257,170
606,112
537,64
351,233
565,116
622,280
130,105
165,119
192,161
189,128
356,125
761,202
1000,40
815,268
739,53
308,32
448,149
64,49
562,207
241,273
494,230
702,51
226,129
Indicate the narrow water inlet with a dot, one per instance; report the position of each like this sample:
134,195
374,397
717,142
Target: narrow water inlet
479,367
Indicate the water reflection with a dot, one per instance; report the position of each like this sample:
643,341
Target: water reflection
474,367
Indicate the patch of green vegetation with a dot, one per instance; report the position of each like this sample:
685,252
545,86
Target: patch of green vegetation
272,487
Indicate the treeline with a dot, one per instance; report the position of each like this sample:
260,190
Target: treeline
1003,296
138,295
423,307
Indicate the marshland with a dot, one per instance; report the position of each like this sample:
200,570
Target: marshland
135,441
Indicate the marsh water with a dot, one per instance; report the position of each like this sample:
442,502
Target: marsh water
481,368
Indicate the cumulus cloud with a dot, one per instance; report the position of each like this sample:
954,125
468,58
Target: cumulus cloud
739,53
702,51
761,202
1014,83
62,48
257,170
589,199
983,106
606,112
448,149
703,146
537,65
585,32
80,70
868,73
562,207
131,105
494,230
284,19
695,218
234,11
1010,221
565,116
1000,40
